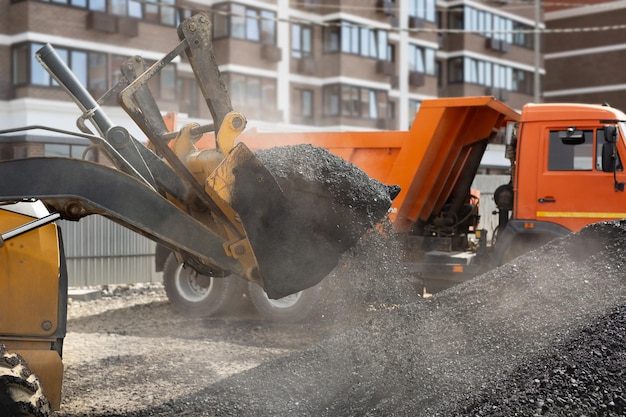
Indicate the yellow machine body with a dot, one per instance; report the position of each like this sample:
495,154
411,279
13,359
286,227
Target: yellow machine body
33,299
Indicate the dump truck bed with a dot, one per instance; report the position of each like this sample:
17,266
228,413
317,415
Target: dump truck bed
427,161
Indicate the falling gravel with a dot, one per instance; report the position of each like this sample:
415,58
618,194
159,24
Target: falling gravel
319,208
543,334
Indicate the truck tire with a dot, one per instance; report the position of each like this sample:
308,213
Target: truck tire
21,394
196,295
293,308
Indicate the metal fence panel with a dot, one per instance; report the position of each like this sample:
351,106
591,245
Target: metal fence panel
99,252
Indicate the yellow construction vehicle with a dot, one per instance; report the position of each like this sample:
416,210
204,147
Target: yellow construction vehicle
219,210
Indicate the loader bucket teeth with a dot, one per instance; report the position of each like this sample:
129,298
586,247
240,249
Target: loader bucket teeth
302,208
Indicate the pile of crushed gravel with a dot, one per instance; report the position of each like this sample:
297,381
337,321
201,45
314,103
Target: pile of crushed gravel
543,334
328,205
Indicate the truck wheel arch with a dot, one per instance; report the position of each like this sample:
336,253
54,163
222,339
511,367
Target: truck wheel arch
516,239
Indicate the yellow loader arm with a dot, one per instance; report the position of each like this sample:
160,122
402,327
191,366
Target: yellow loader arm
221,210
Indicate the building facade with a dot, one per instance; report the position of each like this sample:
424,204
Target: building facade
289,65
314,64
588,43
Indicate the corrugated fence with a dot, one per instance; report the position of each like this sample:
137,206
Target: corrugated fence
99,251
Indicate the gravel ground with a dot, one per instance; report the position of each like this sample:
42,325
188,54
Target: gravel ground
543,335
128,351
123,352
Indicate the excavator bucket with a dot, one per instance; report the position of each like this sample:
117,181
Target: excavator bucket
301,208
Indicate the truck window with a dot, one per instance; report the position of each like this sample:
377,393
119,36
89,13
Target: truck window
600,143
562,157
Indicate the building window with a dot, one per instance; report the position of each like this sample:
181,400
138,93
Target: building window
421,59
91,69
455,18
522,36
354,101
491,25
346,37
158,11
414,106
301,41
63,150
455,70
188,91
303,106
474,71
28,71
502,77
243,22
523,81
423,9
306,104
250,91
167,83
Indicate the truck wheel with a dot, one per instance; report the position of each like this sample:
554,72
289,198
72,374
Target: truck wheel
293,308
197,295
20,390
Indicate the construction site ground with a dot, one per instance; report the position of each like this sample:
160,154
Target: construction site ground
129,351
542,335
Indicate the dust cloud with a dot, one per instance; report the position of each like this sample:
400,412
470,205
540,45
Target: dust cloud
542,334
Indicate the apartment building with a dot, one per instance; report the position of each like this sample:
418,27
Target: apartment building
584,49
289,65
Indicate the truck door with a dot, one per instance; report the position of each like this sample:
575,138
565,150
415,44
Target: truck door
573,190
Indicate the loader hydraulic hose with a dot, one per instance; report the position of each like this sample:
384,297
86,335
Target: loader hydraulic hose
131,160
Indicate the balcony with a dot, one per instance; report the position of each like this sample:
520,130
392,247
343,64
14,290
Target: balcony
416,79
306,66
385,68
416,22
386,7
108,23
271,53
499,93
497,45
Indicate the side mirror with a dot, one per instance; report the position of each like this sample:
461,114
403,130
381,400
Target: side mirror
610,133
571,136
608,158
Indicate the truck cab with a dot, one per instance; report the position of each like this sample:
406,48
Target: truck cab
567,173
